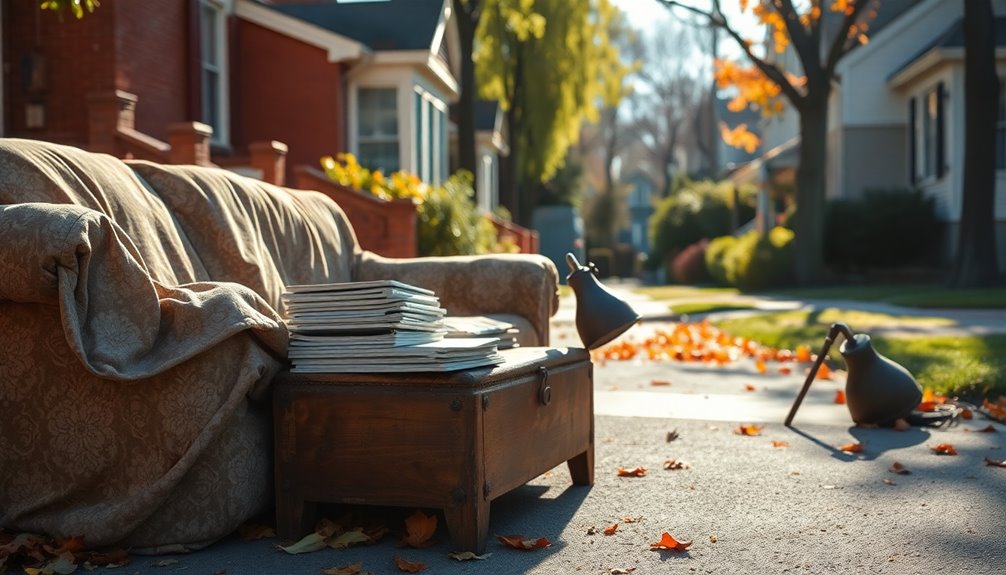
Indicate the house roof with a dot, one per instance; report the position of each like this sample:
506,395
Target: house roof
486,113
951,38
381,26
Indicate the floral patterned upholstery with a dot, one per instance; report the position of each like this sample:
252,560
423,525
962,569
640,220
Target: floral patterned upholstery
141,325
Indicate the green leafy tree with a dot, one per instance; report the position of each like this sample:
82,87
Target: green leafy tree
547,63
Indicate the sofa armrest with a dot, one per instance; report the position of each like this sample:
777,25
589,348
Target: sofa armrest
522,284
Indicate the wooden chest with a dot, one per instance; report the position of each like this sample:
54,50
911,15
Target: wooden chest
451,441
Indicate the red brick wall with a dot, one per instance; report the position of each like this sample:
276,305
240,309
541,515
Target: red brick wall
152,43
288,91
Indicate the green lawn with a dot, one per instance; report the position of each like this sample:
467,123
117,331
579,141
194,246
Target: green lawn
910,295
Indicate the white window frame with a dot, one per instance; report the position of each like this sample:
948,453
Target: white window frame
220,69
360,139
1001,128
927,116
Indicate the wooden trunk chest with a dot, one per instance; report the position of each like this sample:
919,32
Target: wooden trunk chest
452,441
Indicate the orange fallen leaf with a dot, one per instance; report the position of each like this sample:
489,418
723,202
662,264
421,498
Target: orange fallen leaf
823,372
632,519
675,465
749,429
994,463
944,449
785,369
660,382
669,543
611,529
780,444
637,472
749,387
988,429
851,448
115,557
967,414
899,469
419,529
760,366
352,569
996,410
840,397
802,353
926,406
523,543
408,566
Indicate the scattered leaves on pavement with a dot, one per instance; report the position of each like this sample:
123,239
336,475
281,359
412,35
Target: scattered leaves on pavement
523,543
749,429
995,463
669,543
468,556
851,448
611,529
408,566
943,449
42,555
419,529
899,469
996,410
636,472
675,465
352,569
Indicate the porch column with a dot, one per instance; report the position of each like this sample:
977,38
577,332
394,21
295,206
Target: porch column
190,143
270,159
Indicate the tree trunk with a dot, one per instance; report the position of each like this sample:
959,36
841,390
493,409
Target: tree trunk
975,264
810,188
466,100
510,176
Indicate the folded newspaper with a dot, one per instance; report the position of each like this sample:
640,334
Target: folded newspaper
378,327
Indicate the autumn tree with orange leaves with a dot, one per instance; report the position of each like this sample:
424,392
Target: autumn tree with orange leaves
820,33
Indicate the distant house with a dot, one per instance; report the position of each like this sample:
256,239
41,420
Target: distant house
642,198
490,144
375,78
896,120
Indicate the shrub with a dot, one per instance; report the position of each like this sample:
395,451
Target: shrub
451,224
883,229
716,253
701,210
689,266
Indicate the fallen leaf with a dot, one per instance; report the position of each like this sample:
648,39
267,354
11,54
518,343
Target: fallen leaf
327,528
988,429
760,366
114,557
749,429
749,387
823,372
637,472
64,564
901,424
308,544
419,528
468,556
671,435
994,463
621,570
780,444
675,465
592,530
967,413
944,449
712,539
899,469
408,566
611,529
348,538
802,353
889,481
632,519
164,562
669,543
353,569
523,543
840,397
660,382
851,448
253,531
785,369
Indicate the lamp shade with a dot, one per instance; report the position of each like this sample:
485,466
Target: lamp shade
877,390
600,315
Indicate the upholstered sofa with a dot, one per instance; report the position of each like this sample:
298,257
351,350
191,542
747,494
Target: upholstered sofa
141,323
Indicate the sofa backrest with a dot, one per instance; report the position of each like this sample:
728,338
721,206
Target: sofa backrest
191,223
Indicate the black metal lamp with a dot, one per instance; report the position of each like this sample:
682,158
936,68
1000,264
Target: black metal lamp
600,315
878,391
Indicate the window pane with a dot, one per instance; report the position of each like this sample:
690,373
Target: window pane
378,112
211,100
208,24
379,156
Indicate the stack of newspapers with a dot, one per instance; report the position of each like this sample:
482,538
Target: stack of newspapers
376,327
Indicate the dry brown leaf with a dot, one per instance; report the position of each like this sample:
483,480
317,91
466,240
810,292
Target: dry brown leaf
637,472
115,557
785,369
851,448
63,564
352,569
671,435
419,529
780,444
468,556
592,530
944,449
899,469
748,429
611,529
621,570
675,465
308,544
408,566
839,397
164,562
348,538
749,387
988,429
523,543
669,543
632,519
254,531
712,539
660,383
995,463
